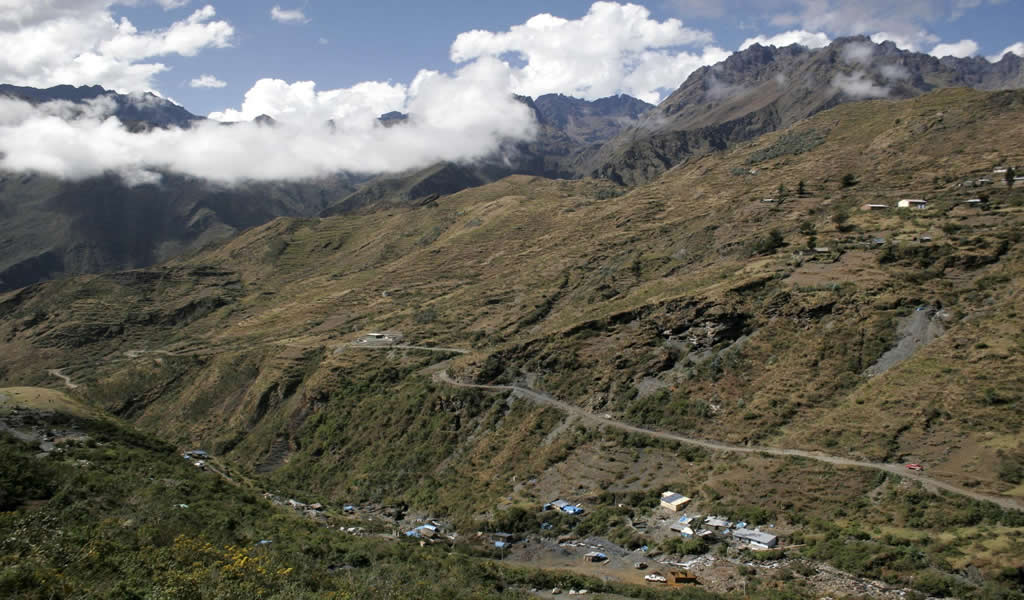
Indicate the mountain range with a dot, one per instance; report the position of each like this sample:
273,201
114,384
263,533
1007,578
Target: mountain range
58,227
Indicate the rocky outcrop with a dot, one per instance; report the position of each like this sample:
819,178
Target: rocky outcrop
764,88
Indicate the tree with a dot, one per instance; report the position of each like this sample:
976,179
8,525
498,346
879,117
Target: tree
801,188
1010,175
807,228
849,180
768,244
782,191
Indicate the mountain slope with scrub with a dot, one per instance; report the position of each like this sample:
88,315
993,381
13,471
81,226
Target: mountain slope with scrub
689,304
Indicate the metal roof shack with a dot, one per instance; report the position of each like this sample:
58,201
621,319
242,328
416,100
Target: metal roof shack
717,522
595,557
564,506
674,501
423,531
756,538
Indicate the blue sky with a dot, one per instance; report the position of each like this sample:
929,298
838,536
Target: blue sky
341,43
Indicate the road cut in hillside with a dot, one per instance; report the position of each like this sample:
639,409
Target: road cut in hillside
598,421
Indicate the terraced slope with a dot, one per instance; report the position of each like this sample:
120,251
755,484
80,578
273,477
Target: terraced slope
687,305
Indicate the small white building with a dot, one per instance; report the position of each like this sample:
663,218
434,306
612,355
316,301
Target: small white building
867,207
999,170
770,200
912,203
758,539
673,501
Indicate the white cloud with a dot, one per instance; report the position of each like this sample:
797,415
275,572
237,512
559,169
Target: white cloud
912,41
858,85
857,53
300,101
894,72
614,48
781,40
207,81
172,4
1017,49
292,16
961,49
842,17
459,117
80,43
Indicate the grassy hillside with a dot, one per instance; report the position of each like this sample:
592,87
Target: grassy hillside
110,513
687,305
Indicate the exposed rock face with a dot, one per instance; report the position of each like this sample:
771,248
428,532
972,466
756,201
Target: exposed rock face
763,89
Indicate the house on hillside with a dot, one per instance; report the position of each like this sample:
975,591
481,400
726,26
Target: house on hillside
912,203
423,531
595,557
673,501
387,337
682,529
868,207
770,200
999,170
564,506
717,522
755,538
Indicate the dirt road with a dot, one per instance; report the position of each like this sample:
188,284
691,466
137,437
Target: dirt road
382,346
598,421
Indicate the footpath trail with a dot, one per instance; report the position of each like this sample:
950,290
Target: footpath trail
598,421
67,380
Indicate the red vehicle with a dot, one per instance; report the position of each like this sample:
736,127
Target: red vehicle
915,467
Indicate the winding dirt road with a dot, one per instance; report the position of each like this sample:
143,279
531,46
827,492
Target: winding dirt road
598,421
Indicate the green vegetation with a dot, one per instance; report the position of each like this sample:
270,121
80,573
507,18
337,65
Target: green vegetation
789,144
768,243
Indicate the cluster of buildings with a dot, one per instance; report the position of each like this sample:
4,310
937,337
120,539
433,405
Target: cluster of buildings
700,526
312,510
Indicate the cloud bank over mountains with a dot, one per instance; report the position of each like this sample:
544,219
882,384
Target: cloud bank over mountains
463,115
452,117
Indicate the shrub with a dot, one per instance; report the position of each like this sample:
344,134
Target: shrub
767,244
